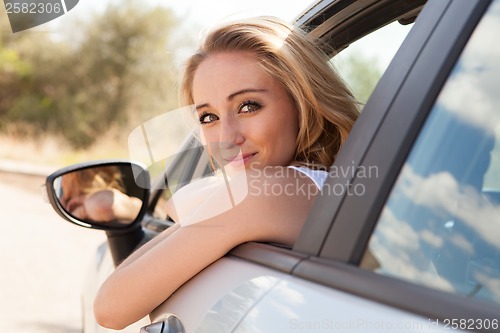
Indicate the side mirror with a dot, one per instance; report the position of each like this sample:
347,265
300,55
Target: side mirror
106,195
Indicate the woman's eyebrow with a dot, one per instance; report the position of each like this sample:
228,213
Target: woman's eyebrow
201,106
244,91
233,95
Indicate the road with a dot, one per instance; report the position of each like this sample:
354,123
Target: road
43,261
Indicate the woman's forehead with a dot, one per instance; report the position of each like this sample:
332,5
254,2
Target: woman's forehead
222,74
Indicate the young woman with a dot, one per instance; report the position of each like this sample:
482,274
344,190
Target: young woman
269,104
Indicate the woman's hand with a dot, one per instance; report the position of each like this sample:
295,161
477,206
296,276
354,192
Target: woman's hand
108,205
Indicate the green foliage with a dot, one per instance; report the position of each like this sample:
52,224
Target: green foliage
361,75
116,71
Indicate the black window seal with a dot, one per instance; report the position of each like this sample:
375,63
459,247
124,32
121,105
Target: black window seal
417,299
337,24
190,144
320,12
273,256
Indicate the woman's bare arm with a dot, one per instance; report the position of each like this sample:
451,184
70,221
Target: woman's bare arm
152,274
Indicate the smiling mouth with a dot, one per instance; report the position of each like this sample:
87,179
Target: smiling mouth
239,159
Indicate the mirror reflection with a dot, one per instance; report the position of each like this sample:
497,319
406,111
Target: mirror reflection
100,194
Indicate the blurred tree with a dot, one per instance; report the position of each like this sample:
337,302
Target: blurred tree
361,74
118,70
12,71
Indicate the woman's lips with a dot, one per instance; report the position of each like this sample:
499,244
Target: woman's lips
239,160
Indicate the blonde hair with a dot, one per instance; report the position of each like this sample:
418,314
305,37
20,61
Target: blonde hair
327,109
93,180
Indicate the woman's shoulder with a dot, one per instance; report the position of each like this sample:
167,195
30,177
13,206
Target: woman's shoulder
259,204
190,196
298,175
252,181
285,181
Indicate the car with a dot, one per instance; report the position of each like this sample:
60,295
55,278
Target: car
404,236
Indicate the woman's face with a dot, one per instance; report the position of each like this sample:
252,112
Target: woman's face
247,118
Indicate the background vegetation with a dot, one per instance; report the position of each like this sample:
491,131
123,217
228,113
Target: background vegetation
116,71
91,86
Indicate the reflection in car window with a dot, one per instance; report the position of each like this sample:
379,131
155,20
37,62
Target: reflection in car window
441,224
173,180
362,64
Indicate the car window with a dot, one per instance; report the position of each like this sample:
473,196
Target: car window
184,169
362,64
441,223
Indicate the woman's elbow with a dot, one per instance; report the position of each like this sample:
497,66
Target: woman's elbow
107,315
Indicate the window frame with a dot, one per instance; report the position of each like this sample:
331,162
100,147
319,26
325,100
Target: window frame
405,115
327,20
384,136
319,224
325,252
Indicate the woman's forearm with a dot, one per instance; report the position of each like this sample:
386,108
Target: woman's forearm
144,281
146,247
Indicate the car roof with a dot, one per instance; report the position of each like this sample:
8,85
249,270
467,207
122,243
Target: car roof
338,23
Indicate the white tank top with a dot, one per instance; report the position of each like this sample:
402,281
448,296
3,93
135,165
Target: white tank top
317,176
186,203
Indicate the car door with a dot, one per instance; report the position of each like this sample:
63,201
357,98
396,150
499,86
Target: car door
424,231
237,292
433,128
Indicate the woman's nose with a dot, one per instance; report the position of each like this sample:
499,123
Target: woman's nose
230,134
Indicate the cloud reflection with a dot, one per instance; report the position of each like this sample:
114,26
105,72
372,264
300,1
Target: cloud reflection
397,245
418,249
472,91
441,192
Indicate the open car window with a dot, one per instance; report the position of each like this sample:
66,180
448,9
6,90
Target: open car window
440,225
362,63
361,37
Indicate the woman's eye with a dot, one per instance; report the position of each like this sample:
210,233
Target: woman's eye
207,118
249,106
